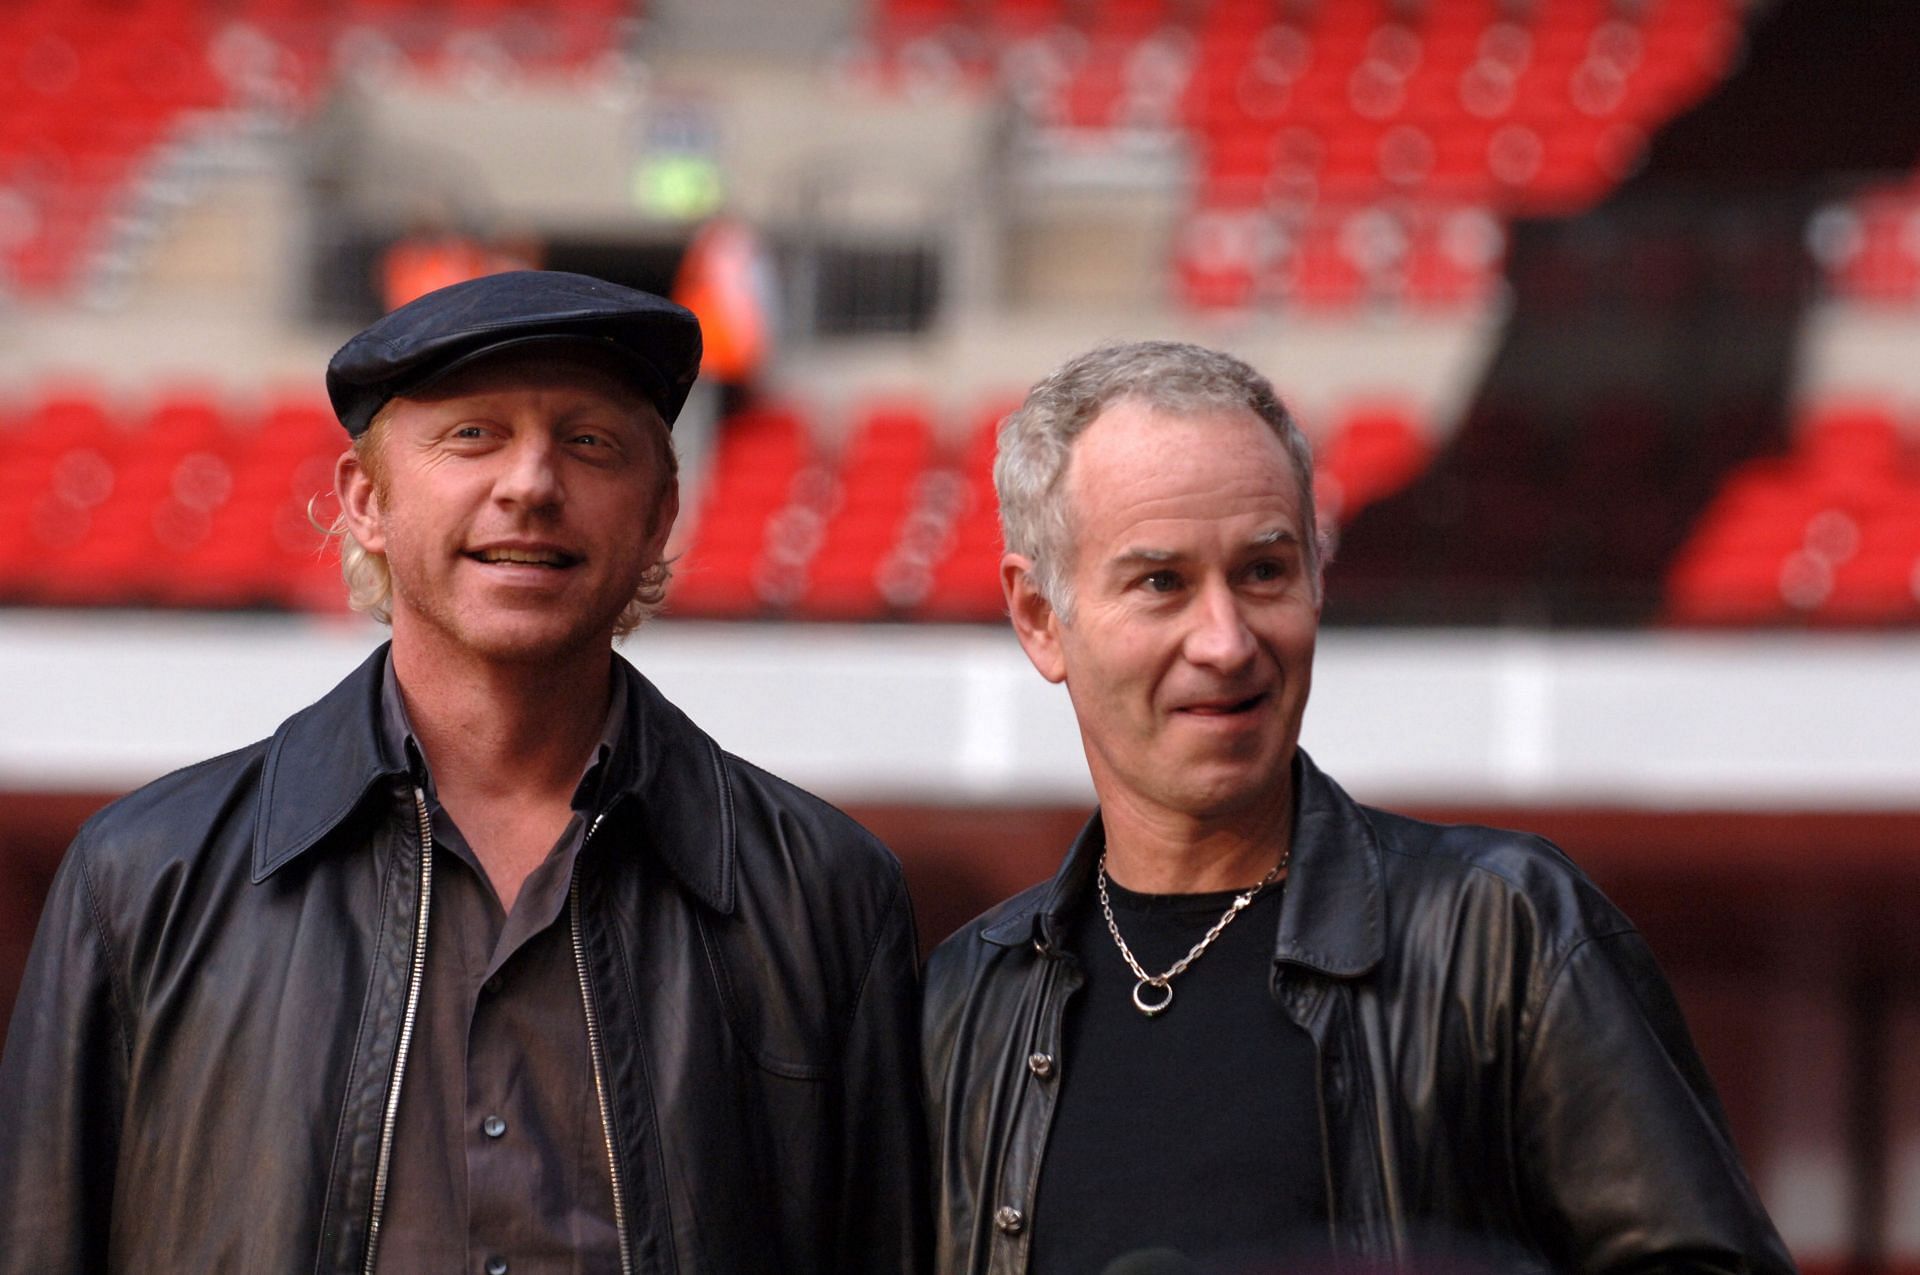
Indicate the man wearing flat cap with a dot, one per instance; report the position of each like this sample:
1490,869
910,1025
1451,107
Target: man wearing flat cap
490,960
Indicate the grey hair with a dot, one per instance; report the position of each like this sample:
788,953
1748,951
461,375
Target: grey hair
370,582
1174,377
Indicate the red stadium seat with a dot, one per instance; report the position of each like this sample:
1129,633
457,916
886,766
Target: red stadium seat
1375,451
743,546
879,481
963,583
1859,437
1878,584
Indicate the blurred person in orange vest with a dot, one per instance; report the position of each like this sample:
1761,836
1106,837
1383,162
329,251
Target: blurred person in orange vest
724,278
434,255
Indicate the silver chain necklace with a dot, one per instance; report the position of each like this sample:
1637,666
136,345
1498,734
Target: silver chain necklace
1164,982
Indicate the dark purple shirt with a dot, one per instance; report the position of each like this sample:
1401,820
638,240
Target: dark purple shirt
499,1158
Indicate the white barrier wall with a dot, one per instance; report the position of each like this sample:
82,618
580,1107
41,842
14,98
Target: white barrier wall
100,702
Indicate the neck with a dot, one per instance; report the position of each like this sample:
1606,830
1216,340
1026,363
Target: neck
510,729
1155,851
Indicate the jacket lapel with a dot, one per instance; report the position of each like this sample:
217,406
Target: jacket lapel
671,779
1333,918
318,768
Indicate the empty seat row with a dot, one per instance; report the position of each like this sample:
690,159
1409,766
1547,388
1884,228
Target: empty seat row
189,502
1534,108
898,526
1328,257
182,503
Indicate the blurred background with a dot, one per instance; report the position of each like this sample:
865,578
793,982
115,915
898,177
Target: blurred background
1604,316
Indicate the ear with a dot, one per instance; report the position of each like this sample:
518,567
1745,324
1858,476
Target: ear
1035,622
664,514
359,501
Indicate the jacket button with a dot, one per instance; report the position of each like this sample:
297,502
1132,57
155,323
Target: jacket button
1040,1065
1009,1219
493,1126
496,1266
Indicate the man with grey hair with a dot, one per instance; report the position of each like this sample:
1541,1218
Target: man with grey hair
491,960
1250,1019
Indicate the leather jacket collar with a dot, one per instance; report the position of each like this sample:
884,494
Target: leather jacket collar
1332,920
325,759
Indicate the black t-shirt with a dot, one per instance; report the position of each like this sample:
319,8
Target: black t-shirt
1195,1130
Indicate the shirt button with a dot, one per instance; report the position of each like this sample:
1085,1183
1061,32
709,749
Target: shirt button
1009,1219
493,1127
496,1266
1040,1065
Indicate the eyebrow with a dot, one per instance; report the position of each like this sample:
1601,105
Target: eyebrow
1139,554
1278,536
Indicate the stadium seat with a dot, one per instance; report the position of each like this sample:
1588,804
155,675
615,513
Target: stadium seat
964,580
745,537
1835,519
879,490
1375,451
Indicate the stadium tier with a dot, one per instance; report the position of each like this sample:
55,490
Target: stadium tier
1346,153
189,503
90,91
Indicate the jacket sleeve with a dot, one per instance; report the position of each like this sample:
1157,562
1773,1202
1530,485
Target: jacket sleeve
1622,1145
882,1223
64,1077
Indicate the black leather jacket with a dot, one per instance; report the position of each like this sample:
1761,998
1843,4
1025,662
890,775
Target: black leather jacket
203,1059
1500,1062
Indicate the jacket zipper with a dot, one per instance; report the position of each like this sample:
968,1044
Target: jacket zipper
593,1049
414,976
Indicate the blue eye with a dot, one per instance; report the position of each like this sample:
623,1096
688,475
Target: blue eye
1162,581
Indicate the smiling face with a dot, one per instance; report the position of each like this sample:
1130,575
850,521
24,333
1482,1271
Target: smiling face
518,504
1190,650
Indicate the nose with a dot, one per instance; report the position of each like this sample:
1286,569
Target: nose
532,476
1219,638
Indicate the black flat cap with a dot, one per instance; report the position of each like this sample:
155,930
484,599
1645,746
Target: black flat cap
449,328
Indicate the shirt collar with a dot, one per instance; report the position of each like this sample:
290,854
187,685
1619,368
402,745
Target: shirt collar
664,774
402,747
